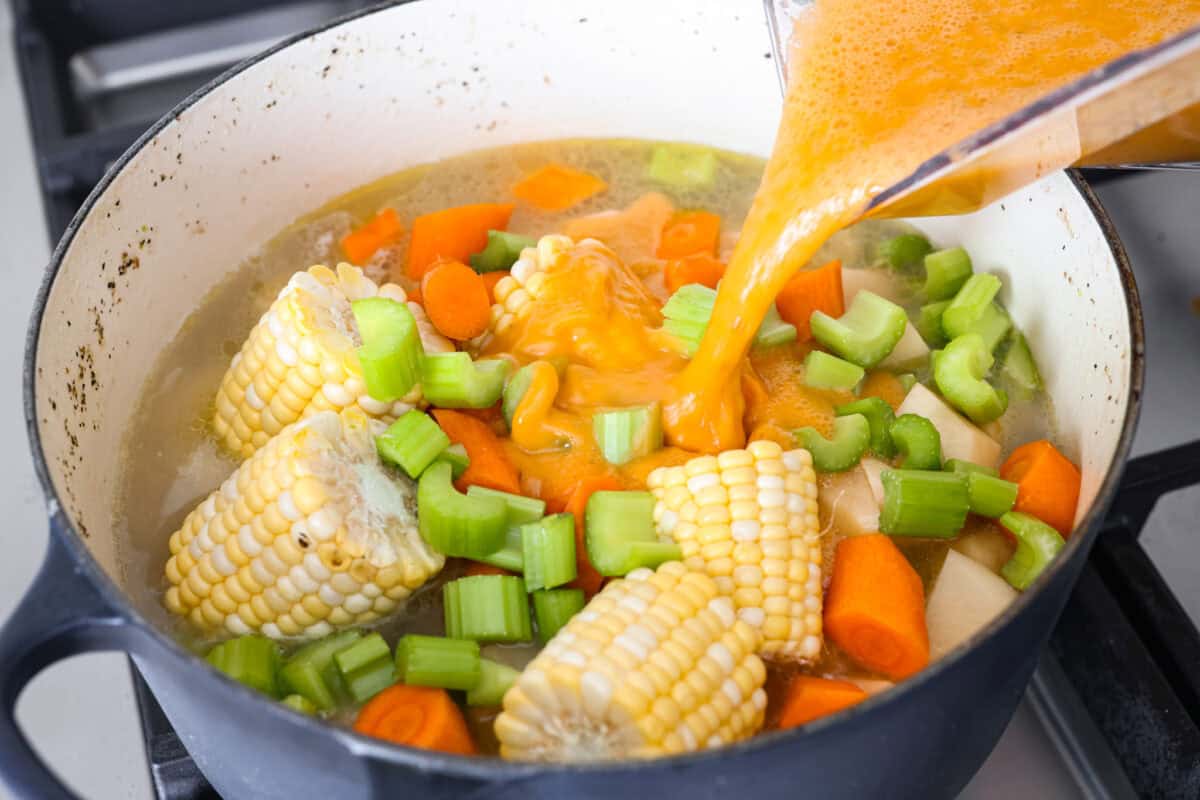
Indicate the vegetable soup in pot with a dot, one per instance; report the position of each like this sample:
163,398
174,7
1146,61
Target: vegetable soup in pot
447,512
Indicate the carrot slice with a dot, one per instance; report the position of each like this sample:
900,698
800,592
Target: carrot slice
809,698
690,233
1047,484
364,241
811,290
701,269
417,716
875,607
453,234
587,578
490,279
456,300
556,187
489,466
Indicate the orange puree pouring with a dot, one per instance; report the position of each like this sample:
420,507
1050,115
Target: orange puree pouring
875,89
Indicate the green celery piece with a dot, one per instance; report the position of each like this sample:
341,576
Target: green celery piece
514,392
456,456
437,661
866,333
851,438
965,467
620,534
918,441
412,442
553,608
923,503
691,303
823,371
366,667
494,680
774,331
518,509
452,380
929,323
510,556
250,660
907,381
628,433
687,311
391,352
548,552
487,608
502,251
993,326
879,416
970,303
990,496
304,671
298,702
945,273
1037,545
958,371
456,524
1019,367
683,166
904,250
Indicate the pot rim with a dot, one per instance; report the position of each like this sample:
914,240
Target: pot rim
495,768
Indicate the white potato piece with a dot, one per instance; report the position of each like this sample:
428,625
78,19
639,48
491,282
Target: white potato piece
846,500
873,468
879,281
985,545
909,351
960,438
965,598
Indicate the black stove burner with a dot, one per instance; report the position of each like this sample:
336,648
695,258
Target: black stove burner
1125,645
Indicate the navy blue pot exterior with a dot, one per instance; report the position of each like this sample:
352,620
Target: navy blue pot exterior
924,740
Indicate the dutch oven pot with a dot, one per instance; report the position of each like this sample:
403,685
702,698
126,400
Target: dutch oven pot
413,83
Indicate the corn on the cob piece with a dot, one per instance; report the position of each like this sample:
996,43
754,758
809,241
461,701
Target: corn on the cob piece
300,359
749,519
515,292
311,533
657,663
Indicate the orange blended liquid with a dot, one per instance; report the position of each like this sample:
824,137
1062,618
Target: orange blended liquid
876,89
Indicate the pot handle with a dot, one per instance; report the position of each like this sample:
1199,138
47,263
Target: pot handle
62,614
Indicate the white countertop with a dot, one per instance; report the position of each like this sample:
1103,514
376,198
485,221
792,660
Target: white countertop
81,713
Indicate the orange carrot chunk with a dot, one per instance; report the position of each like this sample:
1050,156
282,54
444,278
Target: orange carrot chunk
417,716
875,607
811,290
701,269
809,698
587,578
456,300
1047,484
379,231
690,233
453,234
489,465
556,187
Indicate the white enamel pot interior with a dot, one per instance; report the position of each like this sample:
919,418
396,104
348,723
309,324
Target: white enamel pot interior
414,83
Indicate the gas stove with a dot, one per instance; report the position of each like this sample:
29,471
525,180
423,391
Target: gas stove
1114,708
